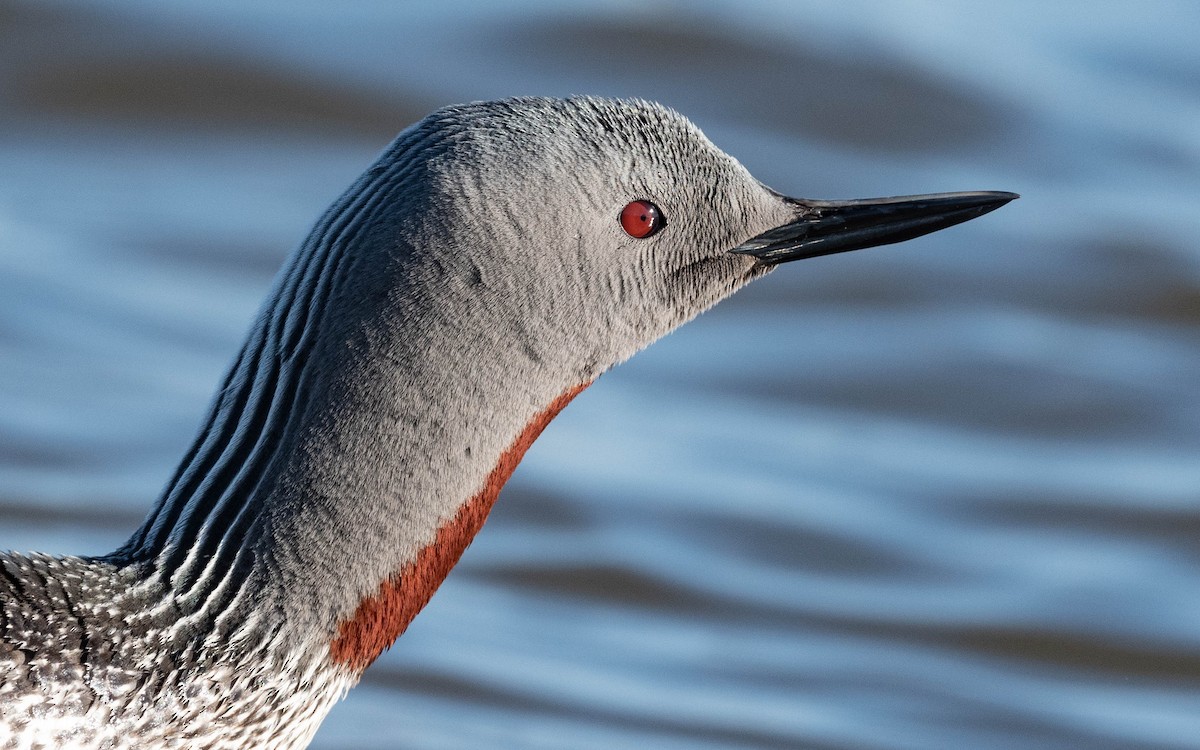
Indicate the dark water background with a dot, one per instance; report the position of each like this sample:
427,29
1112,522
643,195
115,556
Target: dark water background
939,495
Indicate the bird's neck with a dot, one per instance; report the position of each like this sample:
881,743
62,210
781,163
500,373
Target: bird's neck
355,447
380,618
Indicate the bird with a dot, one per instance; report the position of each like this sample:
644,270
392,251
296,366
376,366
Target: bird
494,260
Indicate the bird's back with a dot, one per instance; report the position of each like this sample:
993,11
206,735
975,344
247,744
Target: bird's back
90,657
45,649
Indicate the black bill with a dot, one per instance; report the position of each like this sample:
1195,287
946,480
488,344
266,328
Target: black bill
827,227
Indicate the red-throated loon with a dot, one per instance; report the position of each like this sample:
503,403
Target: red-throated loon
492,262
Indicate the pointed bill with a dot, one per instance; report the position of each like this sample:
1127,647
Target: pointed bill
827,227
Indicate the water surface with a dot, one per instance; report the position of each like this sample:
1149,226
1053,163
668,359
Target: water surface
943,494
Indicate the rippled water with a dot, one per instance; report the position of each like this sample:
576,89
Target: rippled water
944,494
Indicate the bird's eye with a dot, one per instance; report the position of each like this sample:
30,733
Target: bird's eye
640,219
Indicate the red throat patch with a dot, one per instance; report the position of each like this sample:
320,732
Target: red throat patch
380,619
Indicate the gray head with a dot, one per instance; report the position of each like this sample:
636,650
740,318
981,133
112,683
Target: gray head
522,203
496,257
480,270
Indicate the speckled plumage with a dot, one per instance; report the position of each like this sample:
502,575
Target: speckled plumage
471,281
91,660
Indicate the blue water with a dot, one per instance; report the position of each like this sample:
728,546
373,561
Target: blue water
939,495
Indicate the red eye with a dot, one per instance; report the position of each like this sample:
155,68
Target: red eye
640,219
